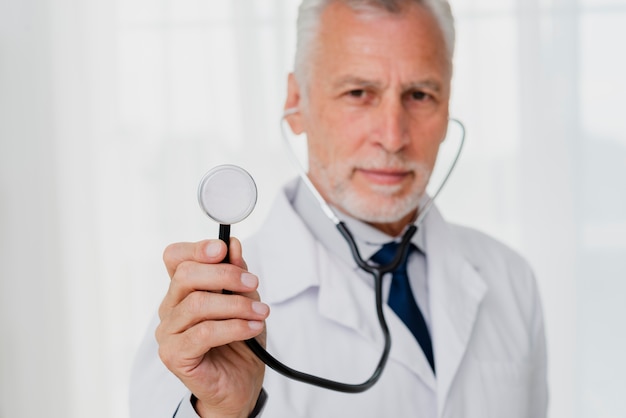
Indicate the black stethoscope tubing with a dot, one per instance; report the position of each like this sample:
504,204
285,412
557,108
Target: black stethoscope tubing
377,273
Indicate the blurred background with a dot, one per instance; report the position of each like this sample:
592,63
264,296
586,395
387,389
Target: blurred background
111,112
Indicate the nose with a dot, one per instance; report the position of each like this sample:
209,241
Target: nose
392,131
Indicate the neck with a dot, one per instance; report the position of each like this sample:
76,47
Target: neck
396,228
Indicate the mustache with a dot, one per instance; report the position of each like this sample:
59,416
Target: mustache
392,162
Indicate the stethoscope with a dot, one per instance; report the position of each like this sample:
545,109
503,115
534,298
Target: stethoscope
228,194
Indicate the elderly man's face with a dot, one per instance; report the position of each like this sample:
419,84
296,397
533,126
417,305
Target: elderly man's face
376,110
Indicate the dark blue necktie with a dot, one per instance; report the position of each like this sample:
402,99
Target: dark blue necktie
401,298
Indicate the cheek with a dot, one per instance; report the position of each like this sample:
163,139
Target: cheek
426,141
334,141
432,156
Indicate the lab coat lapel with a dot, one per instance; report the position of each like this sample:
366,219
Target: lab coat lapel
456,292
350,301
406,350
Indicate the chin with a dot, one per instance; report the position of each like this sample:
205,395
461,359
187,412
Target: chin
386,209
371,203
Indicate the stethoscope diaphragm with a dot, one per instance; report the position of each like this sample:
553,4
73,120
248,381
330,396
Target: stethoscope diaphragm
227,194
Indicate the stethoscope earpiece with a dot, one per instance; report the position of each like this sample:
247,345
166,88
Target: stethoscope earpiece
290,111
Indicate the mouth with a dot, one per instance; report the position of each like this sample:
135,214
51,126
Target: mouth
384,176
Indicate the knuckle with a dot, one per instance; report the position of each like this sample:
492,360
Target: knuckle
223,269
202,334
164,308
158,333
235,305
243,327
240,327
195,303
183,270
168,253
244,304
166,356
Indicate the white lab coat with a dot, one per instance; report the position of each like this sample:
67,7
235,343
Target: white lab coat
486,327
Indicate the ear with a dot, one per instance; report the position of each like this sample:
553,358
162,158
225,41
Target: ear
293,104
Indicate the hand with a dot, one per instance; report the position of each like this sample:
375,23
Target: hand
202,330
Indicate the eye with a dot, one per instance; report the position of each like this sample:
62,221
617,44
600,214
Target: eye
357,93
419,96
359,97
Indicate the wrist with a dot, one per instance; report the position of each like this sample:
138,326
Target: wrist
210,411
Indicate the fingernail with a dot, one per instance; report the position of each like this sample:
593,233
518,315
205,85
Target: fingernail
260,308
249,280
213,248
255,325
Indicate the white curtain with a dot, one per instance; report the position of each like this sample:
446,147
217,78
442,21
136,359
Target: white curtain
110,112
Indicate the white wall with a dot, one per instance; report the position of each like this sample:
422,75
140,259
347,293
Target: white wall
110,112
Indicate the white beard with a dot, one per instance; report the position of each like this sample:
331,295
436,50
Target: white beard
380,205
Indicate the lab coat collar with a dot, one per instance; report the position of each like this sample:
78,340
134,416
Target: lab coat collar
298,252
296,213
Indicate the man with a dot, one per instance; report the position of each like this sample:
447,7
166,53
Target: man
371,90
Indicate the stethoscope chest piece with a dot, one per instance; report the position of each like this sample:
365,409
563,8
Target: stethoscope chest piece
227,194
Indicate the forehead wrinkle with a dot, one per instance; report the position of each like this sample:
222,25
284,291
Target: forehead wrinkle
418,85
356,81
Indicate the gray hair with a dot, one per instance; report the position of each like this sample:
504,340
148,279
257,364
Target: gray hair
310,13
